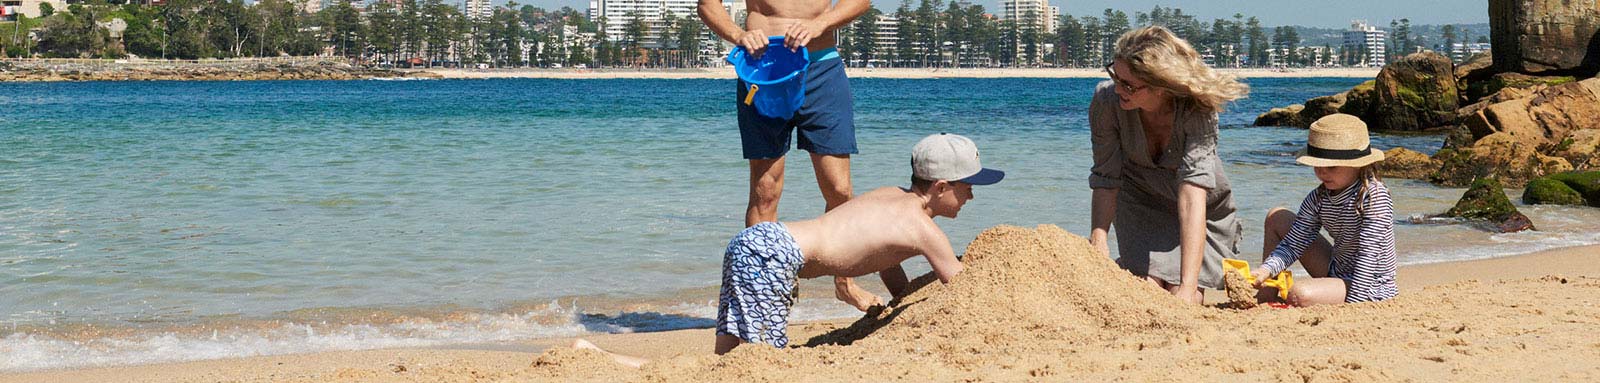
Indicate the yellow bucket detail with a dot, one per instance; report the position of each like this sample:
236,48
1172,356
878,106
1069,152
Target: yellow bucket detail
1282,282
751,95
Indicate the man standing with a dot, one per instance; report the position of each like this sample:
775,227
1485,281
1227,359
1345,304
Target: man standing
826,121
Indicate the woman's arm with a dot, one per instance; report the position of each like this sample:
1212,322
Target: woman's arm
1105,177
1191,240
1103,208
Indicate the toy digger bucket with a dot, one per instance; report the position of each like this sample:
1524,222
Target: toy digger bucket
775,82
1237,265
1282,282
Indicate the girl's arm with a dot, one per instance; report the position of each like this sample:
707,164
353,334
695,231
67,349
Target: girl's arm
1307,224
1375,254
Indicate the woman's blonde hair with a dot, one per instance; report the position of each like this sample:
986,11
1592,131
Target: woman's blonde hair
1160,58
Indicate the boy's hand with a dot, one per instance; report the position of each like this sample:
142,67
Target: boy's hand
754,41
799,34
848,292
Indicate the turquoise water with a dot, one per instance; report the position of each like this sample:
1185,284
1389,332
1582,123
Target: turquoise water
161,221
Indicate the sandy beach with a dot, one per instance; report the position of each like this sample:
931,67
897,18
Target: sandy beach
1035,304
904,73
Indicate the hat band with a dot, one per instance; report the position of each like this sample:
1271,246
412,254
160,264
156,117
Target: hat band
1337,154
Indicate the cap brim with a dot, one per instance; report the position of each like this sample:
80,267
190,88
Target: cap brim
986,176
1309,160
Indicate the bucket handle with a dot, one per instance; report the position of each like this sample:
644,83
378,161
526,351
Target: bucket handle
751,95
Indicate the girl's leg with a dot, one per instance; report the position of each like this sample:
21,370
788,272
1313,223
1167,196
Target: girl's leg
1317,291
1278,223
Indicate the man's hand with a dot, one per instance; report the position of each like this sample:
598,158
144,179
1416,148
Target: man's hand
799,34
754,42
1189,293
848,292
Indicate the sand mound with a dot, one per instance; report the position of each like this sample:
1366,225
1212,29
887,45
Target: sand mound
1241,292
1040,305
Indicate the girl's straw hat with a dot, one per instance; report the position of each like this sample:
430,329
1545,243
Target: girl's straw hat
1338,140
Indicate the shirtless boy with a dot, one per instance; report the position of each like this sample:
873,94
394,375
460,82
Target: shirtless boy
870,233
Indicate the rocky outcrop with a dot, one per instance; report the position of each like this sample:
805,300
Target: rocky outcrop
1507,86
1499,155
1486,201
1285,116
1545,36
1359,100
1405,163
1417,92
1302,116
1546,117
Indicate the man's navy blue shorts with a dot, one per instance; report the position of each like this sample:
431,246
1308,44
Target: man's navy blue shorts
826,120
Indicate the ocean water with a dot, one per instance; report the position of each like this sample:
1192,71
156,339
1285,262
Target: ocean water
166,221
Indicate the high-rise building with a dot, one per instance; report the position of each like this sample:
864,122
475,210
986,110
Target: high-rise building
1368,40
1030,15
478,9
618,13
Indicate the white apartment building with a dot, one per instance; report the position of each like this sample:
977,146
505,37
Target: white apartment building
654,12
478,9
1360,35
1030,13
1462,51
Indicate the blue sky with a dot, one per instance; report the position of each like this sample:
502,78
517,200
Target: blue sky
1314,13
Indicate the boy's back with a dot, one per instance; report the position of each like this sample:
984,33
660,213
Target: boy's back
876,231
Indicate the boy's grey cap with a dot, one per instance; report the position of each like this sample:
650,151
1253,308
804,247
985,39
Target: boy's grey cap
950,157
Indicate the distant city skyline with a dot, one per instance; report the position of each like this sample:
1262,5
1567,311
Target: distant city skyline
1320,13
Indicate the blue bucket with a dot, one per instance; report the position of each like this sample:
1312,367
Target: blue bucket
776,80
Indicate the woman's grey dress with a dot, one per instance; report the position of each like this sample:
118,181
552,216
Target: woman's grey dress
1146,221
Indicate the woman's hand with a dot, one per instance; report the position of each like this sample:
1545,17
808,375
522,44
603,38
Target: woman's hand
1189,293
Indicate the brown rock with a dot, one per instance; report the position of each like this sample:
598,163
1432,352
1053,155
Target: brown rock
1500,155
1581,149
1544,118
1320,107
1415,93
1360,99
1286,116
1534,36
1405,163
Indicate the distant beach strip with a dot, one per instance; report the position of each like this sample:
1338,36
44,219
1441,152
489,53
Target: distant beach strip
900,73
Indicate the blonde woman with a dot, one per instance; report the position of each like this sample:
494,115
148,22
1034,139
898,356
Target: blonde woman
1156,174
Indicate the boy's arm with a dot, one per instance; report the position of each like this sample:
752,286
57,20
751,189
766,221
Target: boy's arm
894,278
800,34
936,247
716,17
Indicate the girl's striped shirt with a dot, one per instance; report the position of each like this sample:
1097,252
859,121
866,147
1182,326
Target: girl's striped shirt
1363,243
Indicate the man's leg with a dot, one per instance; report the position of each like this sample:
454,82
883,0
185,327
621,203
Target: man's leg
766,186
833,178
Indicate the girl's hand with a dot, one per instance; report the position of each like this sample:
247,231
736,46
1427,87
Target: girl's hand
1260,274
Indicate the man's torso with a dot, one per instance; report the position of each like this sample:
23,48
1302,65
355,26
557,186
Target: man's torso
774,16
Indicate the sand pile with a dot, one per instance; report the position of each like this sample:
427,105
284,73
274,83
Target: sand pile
1241,290
1040,305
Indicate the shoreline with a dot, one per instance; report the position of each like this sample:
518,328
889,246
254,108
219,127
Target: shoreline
887,73
490,362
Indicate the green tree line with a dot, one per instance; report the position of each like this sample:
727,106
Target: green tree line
929,33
